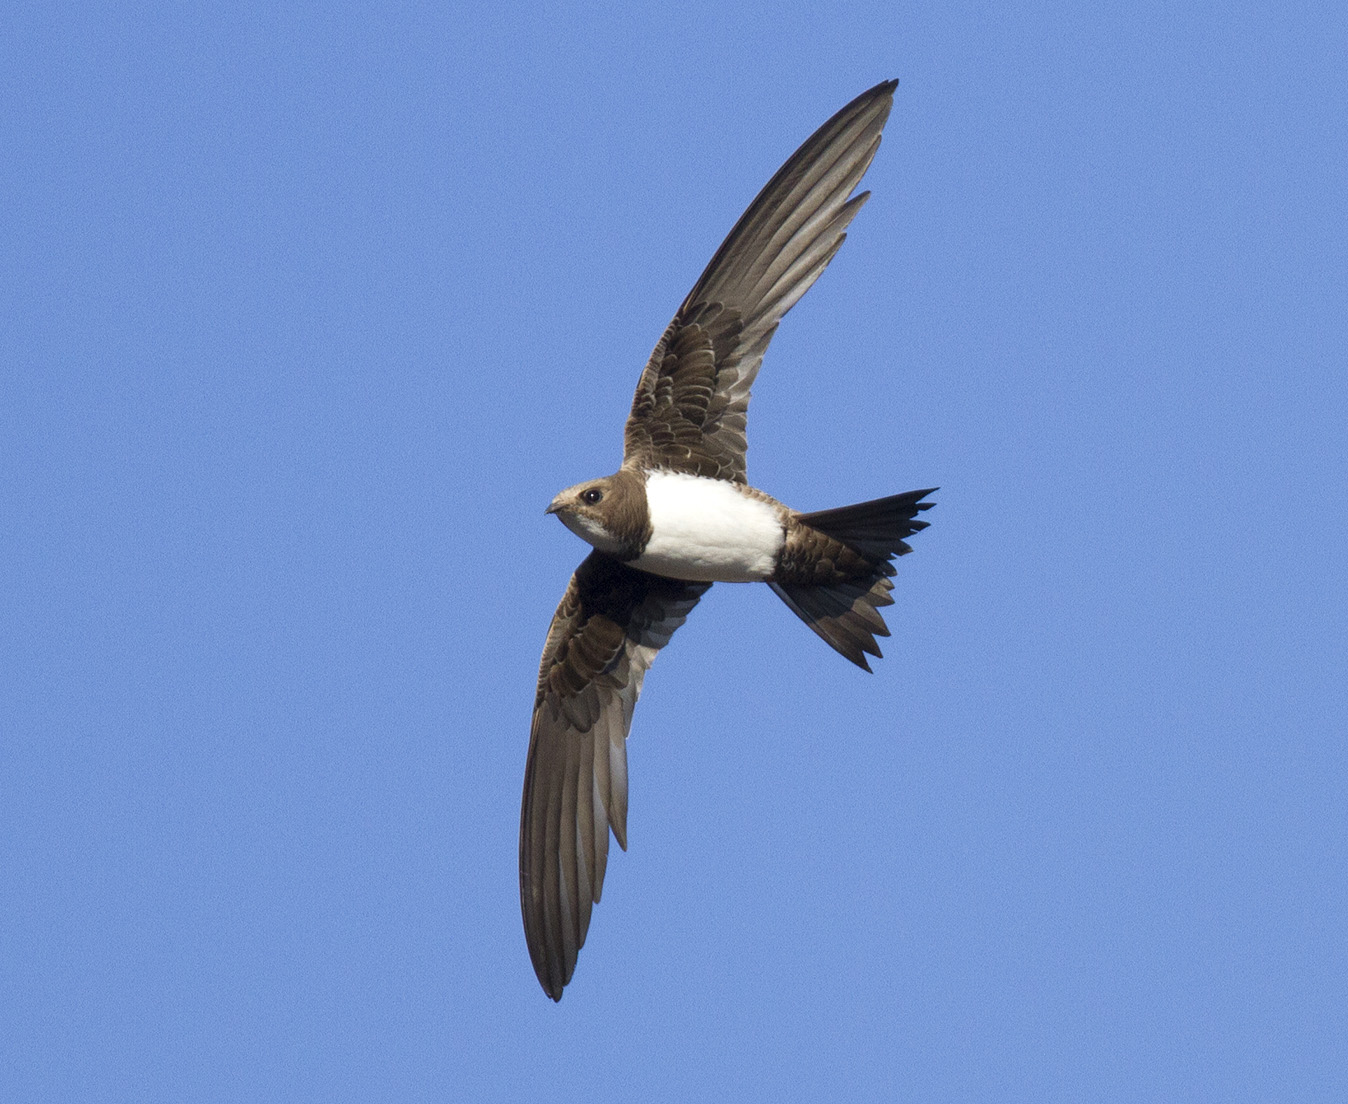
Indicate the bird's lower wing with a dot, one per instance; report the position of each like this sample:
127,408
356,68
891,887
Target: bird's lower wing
605,634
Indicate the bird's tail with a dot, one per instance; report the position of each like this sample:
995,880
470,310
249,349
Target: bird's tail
834,569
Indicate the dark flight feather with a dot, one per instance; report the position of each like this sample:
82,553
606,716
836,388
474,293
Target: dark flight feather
604,636
690,409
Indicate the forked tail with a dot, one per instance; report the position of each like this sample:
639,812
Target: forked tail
834,569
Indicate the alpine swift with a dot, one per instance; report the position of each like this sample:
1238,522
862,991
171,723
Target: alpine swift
680,515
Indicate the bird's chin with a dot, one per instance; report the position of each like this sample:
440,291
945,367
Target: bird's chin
590,531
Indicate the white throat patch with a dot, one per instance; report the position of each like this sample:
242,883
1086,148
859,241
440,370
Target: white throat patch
590,531
708,530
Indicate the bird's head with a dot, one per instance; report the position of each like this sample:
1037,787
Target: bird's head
609,513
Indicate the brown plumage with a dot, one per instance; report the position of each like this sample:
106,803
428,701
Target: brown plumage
692,400
688,420
606,631
834,569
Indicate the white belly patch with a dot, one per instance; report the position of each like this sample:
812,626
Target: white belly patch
706,530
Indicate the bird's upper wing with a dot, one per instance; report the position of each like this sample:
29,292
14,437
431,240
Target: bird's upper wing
604,635
690,407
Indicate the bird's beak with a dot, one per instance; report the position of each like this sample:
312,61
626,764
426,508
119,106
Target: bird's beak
554,505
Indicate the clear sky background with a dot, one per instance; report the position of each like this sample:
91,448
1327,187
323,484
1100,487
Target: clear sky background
307,310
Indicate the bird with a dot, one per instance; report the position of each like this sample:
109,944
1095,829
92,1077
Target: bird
680,515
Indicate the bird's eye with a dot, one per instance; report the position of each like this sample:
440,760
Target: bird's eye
592,497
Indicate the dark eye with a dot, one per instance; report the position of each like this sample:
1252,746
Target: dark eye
592,497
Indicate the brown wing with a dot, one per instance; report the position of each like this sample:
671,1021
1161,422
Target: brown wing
605,634
690,407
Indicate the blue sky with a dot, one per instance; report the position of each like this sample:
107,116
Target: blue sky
308,311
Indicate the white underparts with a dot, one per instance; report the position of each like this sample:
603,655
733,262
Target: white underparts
708,530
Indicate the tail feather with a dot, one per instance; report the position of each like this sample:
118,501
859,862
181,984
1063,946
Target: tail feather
835,569
876,527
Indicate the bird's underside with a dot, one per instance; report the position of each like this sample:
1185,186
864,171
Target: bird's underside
679,515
